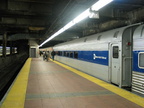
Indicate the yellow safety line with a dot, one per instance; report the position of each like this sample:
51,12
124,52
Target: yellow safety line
16,95
123,93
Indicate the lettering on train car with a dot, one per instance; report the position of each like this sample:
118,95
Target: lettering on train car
100,57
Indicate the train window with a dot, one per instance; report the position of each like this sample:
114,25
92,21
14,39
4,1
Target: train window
0,50
64,53
71,54
116,34
75,54
7,50
59,53
115,51
15,50
141,60
67,54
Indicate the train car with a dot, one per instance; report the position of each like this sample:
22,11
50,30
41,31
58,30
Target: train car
138,61
115,56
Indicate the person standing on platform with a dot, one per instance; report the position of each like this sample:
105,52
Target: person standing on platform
53,54
46,55
40,53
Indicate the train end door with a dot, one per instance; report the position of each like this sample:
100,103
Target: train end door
114,63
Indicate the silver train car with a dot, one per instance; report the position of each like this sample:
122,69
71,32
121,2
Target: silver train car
115,56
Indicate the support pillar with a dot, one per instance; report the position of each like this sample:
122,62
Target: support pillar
11,48
4,44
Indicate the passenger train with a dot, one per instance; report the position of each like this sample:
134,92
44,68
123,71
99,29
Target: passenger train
115,56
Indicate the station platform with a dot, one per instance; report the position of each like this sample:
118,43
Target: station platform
51,84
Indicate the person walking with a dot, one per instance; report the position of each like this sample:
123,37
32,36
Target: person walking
53,54
40,53
45,56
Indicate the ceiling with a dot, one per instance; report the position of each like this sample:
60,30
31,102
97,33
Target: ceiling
39,19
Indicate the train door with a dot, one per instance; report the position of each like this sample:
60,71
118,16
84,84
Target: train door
120,65
114,63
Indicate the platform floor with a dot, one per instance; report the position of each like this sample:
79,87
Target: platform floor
53,86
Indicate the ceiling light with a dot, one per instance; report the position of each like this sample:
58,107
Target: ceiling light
101,3
69,25
82,16
98,5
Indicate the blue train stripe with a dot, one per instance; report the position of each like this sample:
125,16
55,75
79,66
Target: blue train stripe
102,58
99,57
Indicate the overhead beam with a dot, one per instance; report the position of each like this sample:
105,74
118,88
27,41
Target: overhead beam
24,22
135,16
29,7
35,1
24,36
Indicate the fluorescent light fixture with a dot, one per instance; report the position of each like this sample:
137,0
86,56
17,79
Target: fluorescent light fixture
69,25
101,3
95,7
82,16
94,14
59,32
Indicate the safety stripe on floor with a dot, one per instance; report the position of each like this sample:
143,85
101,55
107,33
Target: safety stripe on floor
16,96
121,92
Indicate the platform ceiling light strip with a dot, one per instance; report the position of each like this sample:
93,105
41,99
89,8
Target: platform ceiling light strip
98,5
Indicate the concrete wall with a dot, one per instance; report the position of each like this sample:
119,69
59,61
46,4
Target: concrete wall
33,46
